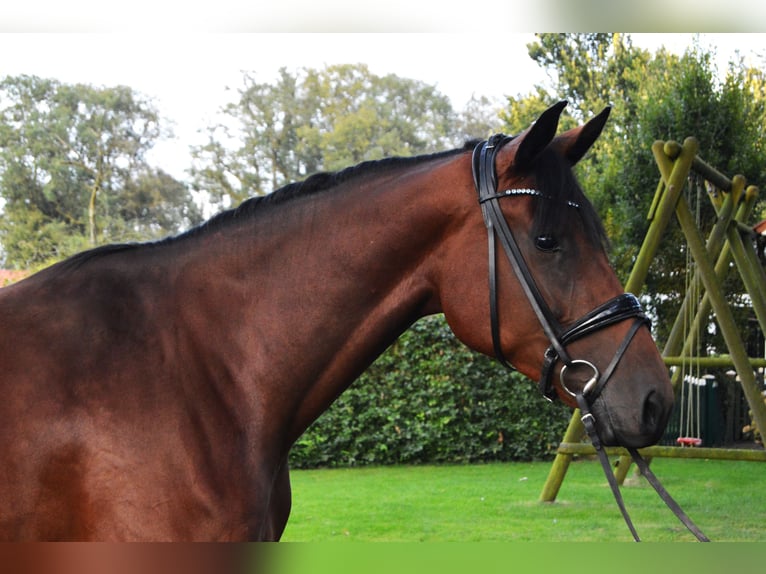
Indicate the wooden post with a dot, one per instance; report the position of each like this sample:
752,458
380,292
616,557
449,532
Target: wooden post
753,274
674,176
574,434
752,455
715,244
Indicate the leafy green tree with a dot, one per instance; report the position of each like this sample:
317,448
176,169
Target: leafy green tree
480,118
154,204
68,153
316,120
727,118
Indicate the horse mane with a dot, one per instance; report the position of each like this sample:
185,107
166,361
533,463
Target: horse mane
553,174
317,183
314,184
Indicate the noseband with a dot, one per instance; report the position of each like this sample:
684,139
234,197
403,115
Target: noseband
620,308
624,306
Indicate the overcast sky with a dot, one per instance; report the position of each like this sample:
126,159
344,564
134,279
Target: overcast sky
190,76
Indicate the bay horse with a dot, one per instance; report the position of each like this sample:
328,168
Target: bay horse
153,391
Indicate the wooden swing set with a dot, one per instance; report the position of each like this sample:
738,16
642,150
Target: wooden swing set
731,241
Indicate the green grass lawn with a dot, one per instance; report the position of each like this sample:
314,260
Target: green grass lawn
499,502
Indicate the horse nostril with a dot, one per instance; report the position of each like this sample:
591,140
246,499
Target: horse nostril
654,415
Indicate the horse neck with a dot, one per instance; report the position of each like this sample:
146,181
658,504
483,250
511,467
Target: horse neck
326,283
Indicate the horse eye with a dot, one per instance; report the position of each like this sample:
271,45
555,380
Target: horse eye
547,243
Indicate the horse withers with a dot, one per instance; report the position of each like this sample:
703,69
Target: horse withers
153,391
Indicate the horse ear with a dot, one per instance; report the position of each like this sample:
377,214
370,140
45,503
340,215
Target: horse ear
537,137
575,143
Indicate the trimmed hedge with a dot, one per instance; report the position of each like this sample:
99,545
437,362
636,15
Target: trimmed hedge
430,399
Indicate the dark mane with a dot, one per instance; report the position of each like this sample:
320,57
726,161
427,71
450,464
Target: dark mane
553,174
556,181
318,183
314,184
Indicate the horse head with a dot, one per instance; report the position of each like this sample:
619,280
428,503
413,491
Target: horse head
553,307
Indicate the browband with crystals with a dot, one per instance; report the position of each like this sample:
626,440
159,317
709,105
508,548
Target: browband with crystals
523,191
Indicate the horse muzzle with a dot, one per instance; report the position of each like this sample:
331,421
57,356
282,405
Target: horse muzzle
636,425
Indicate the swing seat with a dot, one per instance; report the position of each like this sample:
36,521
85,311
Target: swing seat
689,441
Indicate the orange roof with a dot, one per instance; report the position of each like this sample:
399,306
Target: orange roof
760,228
8,276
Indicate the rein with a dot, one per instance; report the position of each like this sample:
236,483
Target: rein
620,308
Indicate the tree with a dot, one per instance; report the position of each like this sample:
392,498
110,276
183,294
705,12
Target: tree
317,120
726,116
154,204
480,118
67,155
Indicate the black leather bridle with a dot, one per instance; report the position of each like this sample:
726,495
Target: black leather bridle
620,308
